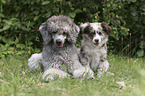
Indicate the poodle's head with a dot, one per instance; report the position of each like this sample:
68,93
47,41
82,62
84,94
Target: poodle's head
59,29
96,32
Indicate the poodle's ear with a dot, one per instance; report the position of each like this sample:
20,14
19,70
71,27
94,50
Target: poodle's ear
85,28
74,33
106,28
45,35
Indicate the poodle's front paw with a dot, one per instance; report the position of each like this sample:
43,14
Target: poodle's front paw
84,73
48,77
53,73
34,61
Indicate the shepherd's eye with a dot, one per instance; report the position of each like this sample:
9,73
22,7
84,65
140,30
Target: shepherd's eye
99,33
92,34
64,33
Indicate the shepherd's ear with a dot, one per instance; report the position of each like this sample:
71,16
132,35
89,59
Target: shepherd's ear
106,28
45,35
85,28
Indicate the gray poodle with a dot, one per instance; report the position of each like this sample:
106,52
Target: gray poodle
59,57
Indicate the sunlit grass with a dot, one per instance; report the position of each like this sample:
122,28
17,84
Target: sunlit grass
17,80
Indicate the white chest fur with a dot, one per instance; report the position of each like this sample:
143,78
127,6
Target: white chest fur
95,53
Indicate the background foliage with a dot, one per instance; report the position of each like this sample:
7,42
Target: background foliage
20,21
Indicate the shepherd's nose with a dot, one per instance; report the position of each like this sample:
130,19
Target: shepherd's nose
96,40
58,41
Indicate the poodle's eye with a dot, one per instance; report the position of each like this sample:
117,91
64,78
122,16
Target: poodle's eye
100,33
54,32
64,33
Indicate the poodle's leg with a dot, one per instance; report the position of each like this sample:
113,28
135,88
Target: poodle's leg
81,71
84,72
53,73
34,61
103,67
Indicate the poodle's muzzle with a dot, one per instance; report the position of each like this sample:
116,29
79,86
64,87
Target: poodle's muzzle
59,40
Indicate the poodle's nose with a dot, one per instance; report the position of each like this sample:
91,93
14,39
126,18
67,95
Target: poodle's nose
96,40
58,41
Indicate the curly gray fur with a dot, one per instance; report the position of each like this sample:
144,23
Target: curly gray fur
56,24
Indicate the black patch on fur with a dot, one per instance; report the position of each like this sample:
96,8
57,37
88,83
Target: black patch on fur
107,29
87,28
91,35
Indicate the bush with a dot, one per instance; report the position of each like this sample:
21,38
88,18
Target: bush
20,21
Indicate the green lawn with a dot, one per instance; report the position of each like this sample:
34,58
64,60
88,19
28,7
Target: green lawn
17,80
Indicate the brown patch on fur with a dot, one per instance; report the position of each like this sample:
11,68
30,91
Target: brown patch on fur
106,28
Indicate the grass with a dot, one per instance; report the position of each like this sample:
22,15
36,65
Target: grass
17,80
